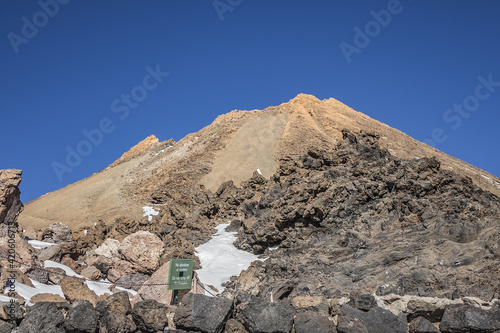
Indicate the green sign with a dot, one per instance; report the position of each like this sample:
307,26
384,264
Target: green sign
180,274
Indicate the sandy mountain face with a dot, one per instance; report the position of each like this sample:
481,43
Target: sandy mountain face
336,203
231,148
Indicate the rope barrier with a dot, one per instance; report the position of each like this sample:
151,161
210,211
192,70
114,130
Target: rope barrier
103,282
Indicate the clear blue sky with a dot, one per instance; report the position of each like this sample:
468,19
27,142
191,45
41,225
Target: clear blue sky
74,72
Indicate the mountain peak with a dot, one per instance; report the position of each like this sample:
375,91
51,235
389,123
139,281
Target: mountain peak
137,149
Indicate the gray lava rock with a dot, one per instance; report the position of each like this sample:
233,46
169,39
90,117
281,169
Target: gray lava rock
44,317
363,302
202,313
309,323
132,281
114,321
82,318
458,318
422,325
116,302
150,315
5,327
376,320
261,316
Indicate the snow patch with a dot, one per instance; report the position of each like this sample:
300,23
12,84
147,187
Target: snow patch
39,244
85,232
392,151
27,292
149,212
486,177
220,259
384,137
273,248
67,270
258,171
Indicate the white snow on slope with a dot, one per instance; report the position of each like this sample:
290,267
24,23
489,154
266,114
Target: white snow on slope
27,292
67,270
220,259
149,212
39,244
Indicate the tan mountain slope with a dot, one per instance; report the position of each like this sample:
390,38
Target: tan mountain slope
234,146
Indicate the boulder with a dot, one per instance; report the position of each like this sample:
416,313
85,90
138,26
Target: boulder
38,274
44,317
150,316
376,320
67,261
116,322
56,274
91,272
132,281
50,253
5,327
109,249
155,288
10,203
260,315
118,269
23,251
422,325
466,318
313,323
75,289
44,297
193,313
82,318
117,302
143,249
363,302
60,233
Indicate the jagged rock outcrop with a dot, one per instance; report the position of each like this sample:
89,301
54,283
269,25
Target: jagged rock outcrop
357,218
10,202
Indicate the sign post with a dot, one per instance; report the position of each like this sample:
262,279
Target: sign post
180,274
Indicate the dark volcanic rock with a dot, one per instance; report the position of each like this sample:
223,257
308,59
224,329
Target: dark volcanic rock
44,317
310,323
150,316
202,313
460,318
82,318
377,320
358,219
260,315
363,302
422,325
117,302
5,327
114,321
